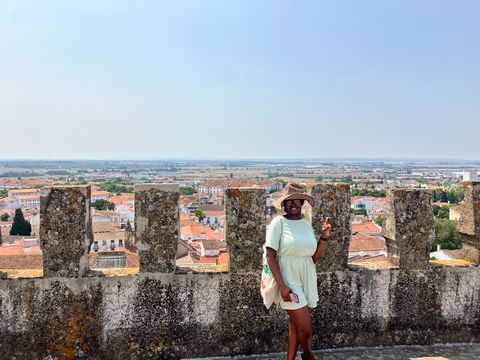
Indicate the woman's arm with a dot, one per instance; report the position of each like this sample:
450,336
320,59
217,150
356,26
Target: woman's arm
320,247
326,227
275,268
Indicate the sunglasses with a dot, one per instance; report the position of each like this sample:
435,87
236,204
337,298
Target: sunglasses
294,202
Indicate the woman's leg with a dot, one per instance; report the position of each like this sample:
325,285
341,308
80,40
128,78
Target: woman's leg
303,324
292,341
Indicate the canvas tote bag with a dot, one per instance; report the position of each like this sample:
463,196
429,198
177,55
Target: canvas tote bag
268,286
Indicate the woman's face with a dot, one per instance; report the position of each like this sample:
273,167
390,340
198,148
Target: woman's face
293,207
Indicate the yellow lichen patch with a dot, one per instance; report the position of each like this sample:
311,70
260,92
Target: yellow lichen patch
119,271
345,187
74,335
23,273
455,262
237,193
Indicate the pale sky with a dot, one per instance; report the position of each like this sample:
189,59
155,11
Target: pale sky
239,79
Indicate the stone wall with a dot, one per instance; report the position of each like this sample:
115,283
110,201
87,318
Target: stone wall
160,314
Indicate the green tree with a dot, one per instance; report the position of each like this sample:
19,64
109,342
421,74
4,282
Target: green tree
453,196
116,187
441,212
360,212
20,226
4,217
187,190
103,205
447,235
379,221
369,192
200,214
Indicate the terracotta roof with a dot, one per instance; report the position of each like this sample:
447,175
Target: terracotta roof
214,213
364,242
28,197
364,259
368,227
456,254
210,245
211,207
11,249
101,192
25,261
208,260
108,213
23,191
112,235
105,226
223,258
122,199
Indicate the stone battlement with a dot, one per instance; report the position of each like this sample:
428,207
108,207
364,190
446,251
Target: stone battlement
163,314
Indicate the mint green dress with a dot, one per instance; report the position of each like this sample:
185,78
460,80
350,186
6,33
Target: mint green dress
295,243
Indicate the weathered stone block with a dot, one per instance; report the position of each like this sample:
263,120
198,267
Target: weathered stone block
245,227
65,230
469,222
157,226
409,227
333,201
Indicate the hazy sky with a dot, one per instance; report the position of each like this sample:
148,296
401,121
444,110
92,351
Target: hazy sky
239,79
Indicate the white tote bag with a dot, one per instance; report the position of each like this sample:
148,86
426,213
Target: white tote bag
268,285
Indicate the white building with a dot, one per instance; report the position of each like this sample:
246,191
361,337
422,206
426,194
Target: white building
99,195
105,216
23,192
368,203
470,176
28,201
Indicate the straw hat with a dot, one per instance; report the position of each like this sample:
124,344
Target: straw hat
293,191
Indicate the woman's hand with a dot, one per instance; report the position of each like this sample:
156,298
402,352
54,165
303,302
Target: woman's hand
285,293
326,228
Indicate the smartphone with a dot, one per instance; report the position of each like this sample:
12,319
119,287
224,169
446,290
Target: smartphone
294,298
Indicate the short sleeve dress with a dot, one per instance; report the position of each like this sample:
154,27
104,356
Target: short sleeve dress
295,243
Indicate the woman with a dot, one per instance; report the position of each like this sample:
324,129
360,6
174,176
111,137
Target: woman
292,251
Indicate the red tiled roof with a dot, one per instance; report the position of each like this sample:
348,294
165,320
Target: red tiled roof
364,242
366,227
101,192
11,250
378,258
122,199
21,262
223,258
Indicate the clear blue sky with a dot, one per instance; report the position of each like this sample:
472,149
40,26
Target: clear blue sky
239,79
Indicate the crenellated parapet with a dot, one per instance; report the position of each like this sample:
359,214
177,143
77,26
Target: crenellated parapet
160,313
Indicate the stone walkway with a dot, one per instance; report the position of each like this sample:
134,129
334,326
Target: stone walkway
434,352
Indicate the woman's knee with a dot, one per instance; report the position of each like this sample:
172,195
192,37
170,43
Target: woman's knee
304,331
